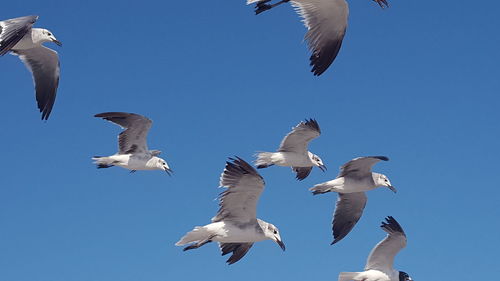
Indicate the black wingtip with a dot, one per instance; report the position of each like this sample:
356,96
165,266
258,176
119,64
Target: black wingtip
391,225
383,158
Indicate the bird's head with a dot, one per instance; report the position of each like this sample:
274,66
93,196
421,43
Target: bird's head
162,165
383,180
47,36
317,161
403,276
273,233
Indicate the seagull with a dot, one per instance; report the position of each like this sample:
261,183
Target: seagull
326,22
19,38
381,259
133,153
236,226
354,179
293,151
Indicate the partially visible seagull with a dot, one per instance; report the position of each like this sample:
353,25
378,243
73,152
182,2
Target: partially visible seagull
326,22
354,179
18,37
236,226
293,151
379,266
133,153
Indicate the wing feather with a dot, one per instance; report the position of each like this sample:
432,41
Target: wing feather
13,30
360,167
348,211
300,136
238,202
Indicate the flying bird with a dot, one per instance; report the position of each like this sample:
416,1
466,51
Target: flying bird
326,22
19,38
133,153
379,266
354,179
236,226
293,151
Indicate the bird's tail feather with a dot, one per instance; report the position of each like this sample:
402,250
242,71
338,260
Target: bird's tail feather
103,162
320,189
252,1
199,233
348,276
264,160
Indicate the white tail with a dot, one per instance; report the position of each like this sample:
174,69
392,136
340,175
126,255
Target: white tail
199,233
103,162
264,159
252,1
348,276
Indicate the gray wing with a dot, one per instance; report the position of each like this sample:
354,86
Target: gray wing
302,172
360,167
300,136
348,211
13,30
326,22
44,65
238,202
133,138
239,250
382,256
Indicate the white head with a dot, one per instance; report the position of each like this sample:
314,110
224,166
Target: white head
382,180
272,233
317,161
41,35
160,164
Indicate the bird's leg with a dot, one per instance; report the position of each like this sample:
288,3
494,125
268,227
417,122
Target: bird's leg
262,6
382,3
199,244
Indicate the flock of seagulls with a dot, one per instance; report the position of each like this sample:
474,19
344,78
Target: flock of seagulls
236,227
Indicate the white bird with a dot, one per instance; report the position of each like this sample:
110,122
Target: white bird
293,151
18,37
236,226
354,179
379,266
133,153
326,22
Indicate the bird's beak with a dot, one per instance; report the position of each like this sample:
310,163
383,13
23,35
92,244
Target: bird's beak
169,171
322,168
392,188
58,43
382,3
282,245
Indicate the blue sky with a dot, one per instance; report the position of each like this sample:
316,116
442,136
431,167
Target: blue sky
417,82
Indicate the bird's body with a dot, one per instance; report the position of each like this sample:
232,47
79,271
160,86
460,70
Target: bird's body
133,153
19,38
235,226
379,266
326,22
293,151
354,179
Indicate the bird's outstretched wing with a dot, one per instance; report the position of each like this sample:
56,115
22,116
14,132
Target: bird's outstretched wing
382,256
238,250
300,136
348,211
360,167
326,23
238,203
44,65
133,138
13,30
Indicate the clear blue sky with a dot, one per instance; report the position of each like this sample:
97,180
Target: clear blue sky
418,82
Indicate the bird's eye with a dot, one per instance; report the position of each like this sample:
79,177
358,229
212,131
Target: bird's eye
275,232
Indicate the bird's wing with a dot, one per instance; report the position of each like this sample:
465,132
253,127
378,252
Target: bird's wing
238,202
298,139
347,213
326,22
133,138
302,172
239,250
360,167
13,30
382,256
44,65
